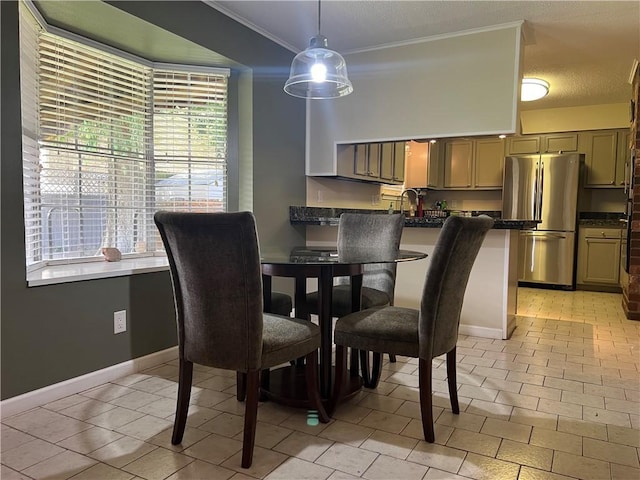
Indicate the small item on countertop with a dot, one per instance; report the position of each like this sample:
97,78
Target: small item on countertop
111,254
391,209
420,212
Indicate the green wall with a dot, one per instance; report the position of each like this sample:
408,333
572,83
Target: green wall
53,333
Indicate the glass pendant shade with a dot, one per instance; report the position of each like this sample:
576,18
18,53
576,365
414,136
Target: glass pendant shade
318,72
533,89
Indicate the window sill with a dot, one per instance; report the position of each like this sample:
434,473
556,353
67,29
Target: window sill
77,272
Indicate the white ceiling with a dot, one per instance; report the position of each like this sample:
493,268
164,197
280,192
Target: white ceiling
584,49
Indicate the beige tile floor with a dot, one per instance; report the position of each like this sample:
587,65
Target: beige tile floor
559,400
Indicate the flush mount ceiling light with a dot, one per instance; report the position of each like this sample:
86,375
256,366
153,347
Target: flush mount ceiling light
533,89
318,72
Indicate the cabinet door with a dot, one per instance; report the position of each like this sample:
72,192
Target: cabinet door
398,161
562,142
374,160
346,160
600,150
361,159
387,151
623,158
523,145
599,256
489,163
458,164
420,161
602,261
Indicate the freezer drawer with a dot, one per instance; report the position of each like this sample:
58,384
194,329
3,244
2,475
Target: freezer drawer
547,257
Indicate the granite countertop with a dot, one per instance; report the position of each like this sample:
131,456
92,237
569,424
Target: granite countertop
331,216
602,219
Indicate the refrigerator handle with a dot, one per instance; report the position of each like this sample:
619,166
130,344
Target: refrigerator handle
540,184
534,214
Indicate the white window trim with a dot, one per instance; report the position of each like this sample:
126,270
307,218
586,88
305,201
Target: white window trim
95,269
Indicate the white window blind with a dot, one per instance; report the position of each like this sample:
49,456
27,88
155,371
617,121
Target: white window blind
95,132
109,141
190,141
30,133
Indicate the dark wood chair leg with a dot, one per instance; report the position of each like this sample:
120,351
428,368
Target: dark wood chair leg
250,417
364,367
265,382
451,380
392,358
182,405
341,378
371,380
241,386
311,375
354,362
426,401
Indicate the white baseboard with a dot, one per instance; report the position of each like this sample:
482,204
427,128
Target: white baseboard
482,332
51,393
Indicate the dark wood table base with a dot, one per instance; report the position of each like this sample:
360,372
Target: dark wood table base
286,385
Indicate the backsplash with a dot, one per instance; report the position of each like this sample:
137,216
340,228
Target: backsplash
333,192
601,219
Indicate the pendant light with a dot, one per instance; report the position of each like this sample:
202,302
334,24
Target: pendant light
318,72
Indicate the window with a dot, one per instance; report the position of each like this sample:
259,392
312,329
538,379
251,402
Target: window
108,141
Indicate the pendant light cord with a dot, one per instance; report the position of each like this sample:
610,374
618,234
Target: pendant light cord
318,17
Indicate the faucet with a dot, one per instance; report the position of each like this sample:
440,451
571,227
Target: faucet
417,194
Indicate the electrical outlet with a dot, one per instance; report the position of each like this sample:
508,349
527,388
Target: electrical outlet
119,321
320,196
375,199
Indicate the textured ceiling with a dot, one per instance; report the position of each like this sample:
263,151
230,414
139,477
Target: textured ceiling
585,49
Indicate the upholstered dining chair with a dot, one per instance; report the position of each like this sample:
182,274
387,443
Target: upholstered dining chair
281,304
370,232
428,332
215,269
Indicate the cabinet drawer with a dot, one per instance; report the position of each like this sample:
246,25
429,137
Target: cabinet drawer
614,233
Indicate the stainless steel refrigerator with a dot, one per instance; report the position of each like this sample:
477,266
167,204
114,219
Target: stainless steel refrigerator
545,188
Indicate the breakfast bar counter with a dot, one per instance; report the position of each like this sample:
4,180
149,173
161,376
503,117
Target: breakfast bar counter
491,297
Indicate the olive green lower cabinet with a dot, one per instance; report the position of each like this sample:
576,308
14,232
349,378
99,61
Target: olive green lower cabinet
599,259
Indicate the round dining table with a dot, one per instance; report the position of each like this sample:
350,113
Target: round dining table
323,263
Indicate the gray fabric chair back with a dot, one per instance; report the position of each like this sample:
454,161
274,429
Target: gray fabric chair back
215,270
447,277
372,232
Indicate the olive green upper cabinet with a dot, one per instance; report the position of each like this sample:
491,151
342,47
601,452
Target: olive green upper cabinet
605,157
559,143
392,162
372,162
473,163
422,165
523,145
489,163
367,162
552,143
458,164
623,158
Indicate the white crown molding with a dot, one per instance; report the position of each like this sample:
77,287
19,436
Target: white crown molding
433,38
250,25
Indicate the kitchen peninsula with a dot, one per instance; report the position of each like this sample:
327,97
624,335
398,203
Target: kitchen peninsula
490,301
